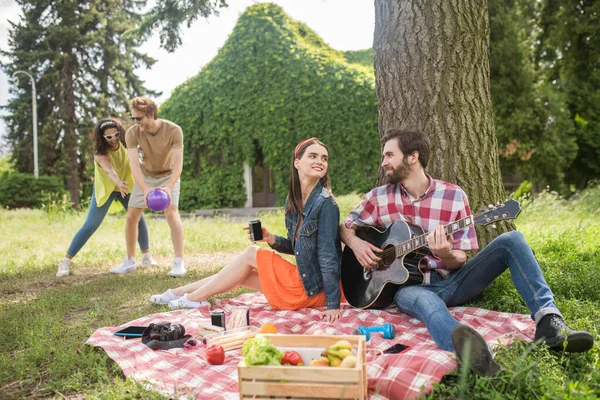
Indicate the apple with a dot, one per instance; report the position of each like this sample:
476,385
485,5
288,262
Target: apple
215,354
319,362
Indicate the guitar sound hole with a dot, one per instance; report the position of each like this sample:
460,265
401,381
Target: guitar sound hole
387,257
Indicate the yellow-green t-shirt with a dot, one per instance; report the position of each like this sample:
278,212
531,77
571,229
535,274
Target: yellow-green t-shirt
103,184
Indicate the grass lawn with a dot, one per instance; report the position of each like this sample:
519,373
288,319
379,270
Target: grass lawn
45,320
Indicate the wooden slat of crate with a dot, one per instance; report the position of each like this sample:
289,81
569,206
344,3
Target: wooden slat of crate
302,374
303,390
261,382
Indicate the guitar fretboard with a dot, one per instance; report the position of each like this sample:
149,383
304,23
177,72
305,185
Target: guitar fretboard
421,241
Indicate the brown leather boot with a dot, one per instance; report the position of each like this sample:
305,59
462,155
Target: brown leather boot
470,347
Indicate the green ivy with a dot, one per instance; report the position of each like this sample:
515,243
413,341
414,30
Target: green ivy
273,83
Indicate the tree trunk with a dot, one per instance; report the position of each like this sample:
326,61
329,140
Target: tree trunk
69,120
432,73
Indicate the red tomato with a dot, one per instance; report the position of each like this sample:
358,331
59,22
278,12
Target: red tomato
215,354
291,358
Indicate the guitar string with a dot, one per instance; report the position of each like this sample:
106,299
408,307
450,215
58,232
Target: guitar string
482,216
419,241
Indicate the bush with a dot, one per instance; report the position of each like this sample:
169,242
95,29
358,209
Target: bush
18,190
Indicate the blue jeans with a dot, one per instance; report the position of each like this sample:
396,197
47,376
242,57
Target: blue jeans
94,219
429,303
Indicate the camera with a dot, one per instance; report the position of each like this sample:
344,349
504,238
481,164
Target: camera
166,332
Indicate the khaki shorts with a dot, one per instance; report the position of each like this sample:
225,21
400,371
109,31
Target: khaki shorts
137,194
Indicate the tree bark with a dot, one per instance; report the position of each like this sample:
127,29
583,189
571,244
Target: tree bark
432,73
69,120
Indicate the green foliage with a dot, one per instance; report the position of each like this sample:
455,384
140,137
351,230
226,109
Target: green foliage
535,134
19,190
523,190
167,16
216,188
6,165
363,57
274,83
569,53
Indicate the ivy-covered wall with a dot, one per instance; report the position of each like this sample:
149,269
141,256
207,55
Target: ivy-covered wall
272,84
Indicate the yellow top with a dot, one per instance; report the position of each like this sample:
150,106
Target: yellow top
103,184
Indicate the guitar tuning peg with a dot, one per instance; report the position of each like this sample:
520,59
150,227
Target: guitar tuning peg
493,226
490,206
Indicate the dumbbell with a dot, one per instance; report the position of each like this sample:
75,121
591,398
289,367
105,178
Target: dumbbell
388,330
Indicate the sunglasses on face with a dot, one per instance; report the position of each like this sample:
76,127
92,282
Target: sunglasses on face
136,118
109,137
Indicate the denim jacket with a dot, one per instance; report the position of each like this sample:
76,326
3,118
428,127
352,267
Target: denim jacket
317,249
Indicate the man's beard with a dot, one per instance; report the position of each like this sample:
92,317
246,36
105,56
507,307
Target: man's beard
398,174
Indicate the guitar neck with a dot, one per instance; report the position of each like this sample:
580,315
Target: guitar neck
421,241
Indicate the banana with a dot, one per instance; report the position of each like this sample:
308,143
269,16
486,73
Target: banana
342,353
341,344
334,361
337,352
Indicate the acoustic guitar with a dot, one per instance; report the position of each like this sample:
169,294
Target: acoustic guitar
403,246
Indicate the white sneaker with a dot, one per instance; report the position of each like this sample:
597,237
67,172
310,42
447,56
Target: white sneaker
148,260
126,266
178,267
63,266
164,298
183,302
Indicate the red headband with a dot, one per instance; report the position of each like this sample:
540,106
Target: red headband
300,145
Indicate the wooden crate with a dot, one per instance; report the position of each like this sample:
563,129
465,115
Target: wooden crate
305,382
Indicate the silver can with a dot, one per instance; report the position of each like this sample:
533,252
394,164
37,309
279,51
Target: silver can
255,230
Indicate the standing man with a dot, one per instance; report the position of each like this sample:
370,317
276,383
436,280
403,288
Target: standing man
449,279
155,148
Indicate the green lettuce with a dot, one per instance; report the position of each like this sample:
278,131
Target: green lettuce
260,351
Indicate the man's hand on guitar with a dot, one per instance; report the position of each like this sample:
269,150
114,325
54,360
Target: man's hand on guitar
365,253
438,242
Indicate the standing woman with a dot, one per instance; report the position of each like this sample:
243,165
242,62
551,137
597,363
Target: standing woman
311,218
112,180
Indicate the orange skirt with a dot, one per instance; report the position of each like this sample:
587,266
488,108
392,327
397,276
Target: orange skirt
281,284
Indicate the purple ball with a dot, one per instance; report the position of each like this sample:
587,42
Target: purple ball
158,200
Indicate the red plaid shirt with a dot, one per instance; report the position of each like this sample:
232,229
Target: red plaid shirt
442,203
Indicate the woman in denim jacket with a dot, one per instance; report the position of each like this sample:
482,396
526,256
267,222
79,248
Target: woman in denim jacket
311,218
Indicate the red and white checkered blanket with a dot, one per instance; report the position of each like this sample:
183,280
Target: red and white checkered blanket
184,372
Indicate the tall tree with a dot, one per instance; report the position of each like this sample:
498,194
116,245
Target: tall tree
534,129
569,53
167,16
432,73
84,70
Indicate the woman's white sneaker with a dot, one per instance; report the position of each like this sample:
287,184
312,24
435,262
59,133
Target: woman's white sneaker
126,266
63,266
183,302
164,298
148,260
178,267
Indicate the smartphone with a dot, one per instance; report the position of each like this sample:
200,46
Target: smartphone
131,332
397,348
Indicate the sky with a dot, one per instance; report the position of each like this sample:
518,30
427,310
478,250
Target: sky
343,24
